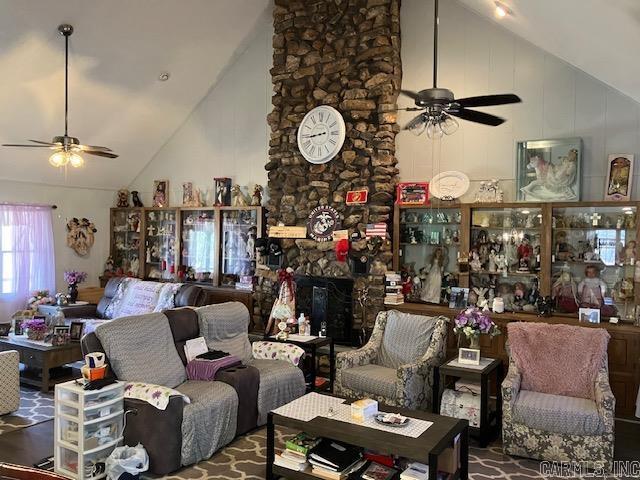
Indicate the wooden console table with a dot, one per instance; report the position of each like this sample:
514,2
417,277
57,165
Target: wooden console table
39,360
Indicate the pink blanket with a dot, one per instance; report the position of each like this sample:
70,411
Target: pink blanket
558,359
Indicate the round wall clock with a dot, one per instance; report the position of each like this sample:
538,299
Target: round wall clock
323,221
321,134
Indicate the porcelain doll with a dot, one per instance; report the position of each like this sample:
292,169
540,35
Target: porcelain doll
630,252
501,264
511,254
432,288
591,290
529,222
563,250
630,222
492,260
620,222
475,263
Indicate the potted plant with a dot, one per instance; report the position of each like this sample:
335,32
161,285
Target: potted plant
73,278
472,322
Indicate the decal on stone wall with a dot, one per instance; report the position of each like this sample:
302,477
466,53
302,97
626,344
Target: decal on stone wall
323,221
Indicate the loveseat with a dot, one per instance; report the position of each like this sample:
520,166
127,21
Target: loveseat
150,348
120,293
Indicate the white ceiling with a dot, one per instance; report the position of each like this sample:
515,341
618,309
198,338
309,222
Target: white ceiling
116,54
600,37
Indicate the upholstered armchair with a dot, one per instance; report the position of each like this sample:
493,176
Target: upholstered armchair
396,366
9,382
563,427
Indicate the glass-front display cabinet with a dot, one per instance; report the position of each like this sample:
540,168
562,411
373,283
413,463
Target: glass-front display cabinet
594,250
161,230
126,240
505,257
240,228
428,252
198,252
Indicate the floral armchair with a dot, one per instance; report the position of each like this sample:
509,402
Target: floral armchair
396,366
556,427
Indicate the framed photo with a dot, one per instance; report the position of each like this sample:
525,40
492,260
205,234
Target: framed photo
589,315
549,170
222,191
619,177
76,330
412,193
469,356
161,193
5,328
459,298
188,196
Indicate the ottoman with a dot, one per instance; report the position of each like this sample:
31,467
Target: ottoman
245,379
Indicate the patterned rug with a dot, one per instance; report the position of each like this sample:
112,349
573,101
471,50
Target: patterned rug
35,407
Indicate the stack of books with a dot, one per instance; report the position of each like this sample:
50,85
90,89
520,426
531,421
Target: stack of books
245,282
333,460
415,471
393,289
296,452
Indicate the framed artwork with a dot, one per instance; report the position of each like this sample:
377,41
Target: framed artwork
222,191
549,170
187,193
458,298
412,193
161,193
619,177
589,315
76,331
469,356
5,328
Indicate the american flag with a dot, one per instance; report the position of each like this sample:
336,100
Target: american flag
376,230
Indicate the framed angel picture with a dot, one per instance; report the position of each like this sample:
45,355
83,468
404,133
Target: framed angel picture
619,177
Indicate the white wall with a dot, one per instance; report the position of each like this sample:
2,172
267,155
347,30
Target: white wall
478,56
71,202
227,134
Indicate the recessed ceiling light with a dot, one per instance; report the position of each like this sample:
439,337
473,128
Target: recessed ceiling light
164,76
502,10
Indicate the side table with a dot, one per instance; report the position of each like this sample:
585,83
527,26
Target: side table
490,421
311,345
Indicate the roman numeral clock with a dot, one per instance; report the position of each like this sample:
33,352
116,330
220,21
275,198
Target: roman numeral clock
321,134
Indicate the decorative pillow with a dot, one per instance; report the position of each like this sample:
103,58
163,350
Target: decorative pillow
155,395
141,349
167,296
139,298
116,300
277,351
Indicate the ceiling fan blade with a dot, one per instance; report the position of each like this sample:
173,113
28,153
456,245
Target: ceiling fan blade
31,146
94,147
410,94
478,117
100,153
488,100
45,143
417,120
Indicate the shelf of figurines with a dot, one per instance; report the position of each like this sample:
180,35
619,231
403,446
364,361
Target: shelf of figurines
573,260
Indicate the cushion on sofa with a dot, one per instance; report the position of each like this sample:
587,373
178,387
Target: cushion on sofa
136,346
555,413
406,338
209,421
224,326
372,379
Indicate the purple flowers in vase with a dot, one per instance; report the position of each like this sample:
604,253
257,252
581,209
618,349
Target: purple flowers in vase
73,278
472,322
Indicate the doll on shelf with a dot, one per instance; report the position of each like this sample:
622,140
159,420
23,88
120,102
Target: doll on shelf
475,263
564,292
628,255
563,250
432,287
591,290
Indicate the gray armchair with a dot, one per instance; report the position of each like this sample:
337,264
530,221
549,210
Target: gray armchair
396,366
9,382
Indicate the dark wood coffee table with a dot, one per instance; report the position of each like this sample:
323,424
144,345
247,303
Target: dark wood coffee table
424,449
43,363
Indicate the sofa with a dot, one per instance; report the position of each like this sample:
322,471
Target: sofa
396,366
9,381
557,402
122,292
150,349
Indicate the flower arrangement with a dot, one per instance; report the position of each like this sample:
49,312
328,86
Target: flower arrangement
36,328
39,297
472,322
74,277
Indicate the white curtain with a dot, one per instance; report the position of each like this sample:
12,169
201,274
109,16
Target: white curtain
27,260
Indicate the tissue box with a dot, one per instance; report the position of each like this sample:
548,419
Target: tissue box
364,409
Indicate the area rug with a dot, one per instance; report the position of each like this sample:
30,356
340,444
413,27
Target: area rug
35,407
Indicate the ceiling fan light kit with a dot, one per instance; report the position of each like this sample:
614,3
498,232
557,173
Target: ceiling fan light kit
67,149
439,106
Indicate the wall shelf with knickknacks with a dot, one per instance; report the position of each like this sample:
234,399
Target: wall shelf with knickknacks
203,245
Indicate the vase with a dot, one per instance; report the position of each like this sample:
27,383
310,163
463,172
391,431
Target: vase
474,342
73,292
37,335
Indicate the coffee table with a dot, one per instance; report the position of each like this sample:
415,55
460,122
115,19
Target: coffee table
425,448
39,361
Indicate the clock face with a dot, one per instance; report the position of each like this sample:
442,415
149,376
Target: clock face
321,134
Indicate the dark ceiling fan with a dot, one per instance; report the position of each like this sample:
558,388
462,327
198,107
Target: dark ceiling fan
439,106
66,149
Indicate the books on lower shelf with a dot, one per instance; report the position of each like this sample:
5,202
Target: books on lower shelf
393,289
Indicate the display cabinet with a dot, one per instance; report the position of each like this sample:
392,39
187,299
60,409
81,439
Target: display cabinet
198,245
240,228
428,240
593,260
161,230
126,240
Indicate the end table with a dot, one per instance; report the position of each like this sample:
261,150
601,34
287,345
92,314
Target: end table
490,421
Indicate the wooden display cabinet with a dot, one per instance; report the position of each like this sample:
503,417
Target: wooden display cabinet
127,240
160,227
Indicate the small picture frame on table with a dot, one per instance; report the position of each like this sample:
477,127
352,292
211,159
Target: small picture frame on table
469,356
589,315
76,330
458,298
412,193
5,328
619,177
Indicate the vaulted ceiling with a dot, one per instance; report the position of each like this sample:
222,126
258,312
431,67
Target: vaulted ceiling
117,52
599,37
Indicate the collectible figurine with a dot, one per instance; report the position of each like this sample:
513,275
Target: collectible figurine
544,306
108,266
563,250
135,197
505,291
564,292
501,264
492,260
507,221
630,252
480,292
123,198
256,198
518,296
475,263
238,198
133,221
525,251
511,254
135,266
433,283
591,290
